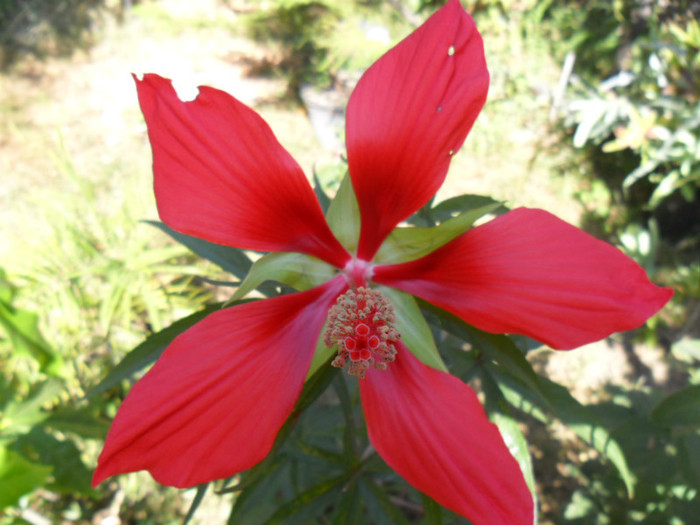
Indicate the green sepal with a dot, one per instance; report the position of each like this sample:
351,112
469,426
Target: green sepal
322,355
414,329
407,244
344,216
297,270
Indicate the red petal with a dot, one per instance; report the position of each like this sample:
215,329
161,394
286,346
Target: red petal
221,175
528,272
430,428
409,111
213,403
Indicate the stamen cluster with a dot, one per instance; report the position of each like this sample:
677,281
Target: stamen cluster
361,324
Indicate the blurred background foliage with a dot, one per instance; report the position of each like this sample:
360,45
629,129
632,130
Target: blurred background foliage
45,28
607,93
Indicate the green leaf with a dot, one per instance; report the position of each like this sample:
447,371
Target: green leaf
317,452
231,260
69,473
18,476
307,497
344,216
501,414
686,349
462,203
689,458
248,481
497,347
380,507
580,507
81,421
415,332
313,388
407,244
259,491
149,351
350,428
557,401
537,395
347,511
297,270
21,415
586,425
682,408
22,328
198,497
432,510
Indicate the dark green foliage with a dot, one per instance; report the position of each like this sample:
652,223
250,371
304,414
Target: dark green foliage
299,27
315,40
45,27
633,107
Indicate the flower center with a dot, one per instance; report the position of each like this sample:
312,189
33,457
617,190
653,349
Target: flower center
358,272
361,324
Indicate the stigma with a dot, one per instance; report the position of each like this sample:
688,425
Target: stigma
361,325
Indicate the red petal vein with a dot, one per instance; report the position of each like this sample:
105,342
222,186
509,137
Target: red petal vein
221,175
409,111
528,272
431,429
214,402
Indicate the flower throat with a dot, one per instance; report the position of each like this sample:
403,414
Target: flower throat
361,324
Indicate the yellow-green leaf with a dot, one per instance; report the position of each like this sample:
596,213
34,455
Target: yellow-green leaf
322,355
407,244
297,270
344,216
415,332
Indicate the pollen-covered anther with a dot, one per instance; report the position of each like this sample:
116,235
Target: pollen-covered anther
361,325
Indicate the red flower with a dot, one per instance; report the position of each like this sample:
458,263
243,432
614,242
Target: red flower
215,401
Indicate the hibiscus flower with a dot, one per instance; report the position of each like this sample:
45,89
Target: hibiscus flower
215,401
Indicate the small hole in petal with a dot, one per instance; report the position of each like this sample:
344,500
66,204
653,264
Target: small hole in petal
439,109
452,152
451,51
